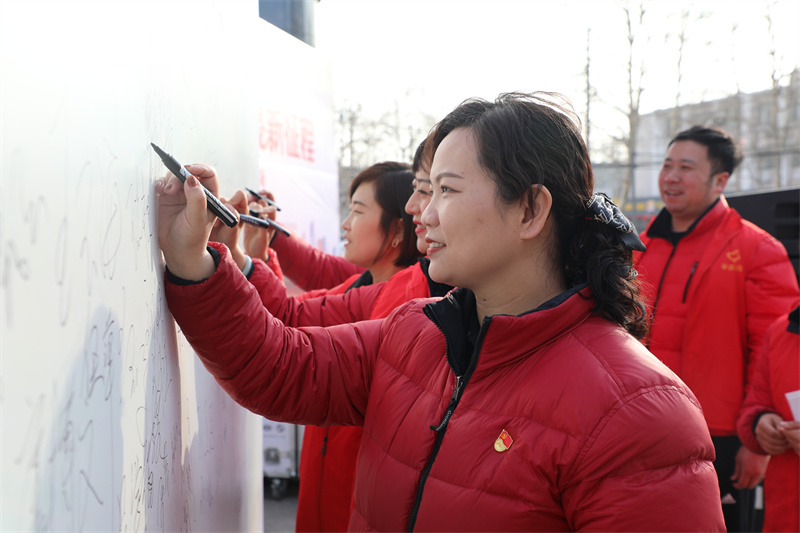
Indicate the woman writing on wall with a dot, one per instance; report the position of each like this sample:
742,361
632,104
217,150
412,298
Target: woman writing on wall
308,267
522,401
379,237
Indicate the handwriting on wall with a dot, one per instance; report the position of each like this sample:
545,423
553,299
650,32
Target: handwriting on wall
109,422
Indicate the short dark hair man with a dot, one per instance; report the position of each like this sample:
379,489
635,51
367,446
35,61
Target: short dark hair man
714,283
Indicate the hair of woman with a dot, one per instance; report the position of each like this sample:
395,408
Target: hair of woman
419,162
392,183
535,139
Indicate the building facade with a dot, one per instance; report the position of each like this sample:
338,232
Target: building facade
765,123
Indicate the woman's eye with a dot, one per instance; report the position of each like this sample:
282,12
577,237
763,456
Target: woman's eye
444,188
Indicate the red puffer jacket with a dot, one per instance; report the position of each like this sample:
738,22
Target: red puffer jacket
328,456
296,256
335,306
778,372
562,421
712,297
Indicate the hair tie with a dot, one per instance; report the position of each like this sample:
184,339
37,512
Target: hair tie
600,208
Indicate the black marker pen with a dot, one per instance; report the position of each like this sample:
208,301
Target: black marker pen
214,205
261,197
254,220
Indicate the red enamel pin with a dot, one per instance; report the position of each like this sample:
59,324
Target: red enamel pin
503,442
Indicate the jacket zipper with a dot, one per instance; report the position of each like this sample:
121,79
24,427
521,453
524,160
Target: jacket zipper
458,391
658,295
689,281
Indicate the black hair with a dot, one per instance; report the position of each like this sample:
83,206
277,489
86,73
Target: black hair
535,139
392,182
419,159
723,151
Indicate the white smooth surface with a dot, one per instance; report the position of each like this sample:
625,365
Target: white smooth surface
109,420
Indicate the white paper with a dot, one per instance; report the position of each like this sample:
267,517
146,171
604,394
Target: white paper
794,403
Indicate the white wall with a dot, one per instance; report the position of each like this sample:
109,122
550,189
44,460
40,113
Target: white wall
109,422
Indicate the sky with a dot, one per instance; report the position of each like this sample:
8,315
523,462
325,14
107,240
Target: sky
429,55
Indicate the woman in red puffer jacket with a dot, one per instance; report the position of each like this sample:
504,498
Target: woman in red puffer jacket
380,240
520,402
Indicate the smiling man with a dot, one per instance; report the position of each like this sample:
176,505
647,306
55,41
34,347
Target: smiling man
714,282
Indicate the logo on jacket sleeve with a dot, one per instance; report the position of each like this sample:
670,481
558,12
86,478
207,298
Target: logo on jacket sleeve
503,442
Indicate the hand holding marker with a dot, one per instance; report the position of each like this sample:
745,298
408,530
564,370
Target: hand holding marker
214,205
261,197
256,220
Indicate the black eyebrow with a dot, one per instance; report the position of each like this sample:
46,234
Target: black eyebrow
684,160
441,175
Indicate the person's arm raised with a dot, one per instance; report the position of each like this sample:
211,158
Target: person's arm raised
184,222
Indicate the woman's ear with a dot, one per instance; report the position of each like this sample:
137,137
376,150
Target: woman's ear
397,231
537,205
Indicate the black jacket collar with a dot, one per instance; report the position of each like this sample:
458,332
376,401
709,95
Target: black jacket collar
435,288
662,225
794,321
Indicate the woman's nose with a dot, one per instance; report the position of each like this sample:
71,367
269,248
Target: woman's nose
411,207
429,216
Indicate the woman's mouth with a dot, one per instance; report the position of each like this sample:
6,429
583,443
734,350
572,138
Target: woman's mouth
434,246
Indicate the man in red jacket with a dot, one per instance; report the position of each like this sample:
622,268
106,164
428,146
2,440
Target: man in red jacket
714,283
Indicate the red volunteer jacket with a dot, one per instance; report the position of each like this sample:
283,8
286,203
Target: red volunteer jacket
562,422
328,455
711,299
778,372
295,256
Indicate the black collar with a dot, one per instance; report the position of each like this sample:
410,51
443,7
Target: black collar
435,288
363,280
457,317
662,226
794,321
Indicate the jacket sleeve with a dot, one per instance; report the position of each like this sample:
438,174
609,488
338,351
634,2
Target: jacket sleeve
315,376
339,289
273,263
310,268
758,400
325,310
770,291
647,466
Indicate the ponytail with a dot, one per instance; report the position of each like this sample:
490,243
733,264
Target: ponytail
600,258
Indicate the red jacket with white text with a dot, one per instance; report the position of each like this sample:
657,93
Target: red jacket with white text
711,298
562,421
